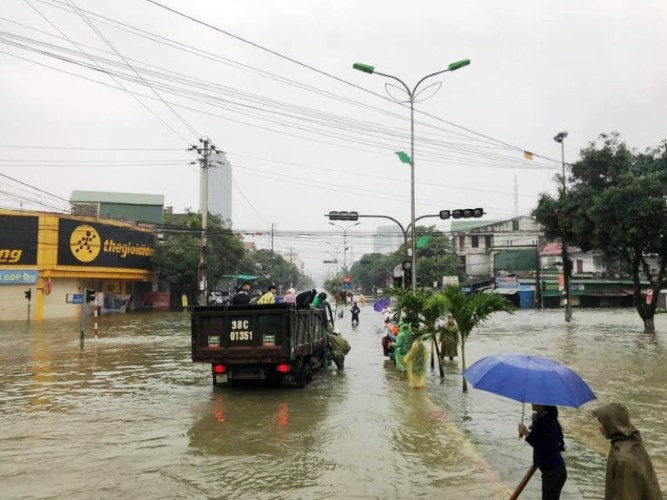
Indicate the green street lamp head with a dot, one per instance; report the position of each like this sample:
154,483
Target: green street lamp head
458,64
366,68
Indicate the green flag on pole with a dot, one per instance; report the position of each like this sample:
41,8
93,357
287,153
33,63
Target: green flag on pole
403,156
423,241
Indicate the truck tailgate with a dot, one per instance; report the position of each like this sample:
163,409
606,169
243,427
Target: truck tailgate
240,335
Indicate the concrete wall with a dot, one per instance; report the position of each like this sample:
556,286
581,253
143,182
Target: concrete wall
54,303
13,305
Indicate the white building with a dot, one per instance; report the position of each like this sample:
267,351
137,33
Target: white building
477,242
220,187
387,239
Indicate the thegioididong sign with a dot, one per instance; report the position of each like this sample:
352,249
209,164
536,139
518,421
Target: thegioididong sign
104,245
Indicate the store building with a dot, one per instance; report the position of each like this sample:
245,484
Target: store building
57,256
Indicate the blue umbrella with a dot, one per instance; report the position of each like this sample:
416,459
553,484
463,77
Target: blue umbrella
529,379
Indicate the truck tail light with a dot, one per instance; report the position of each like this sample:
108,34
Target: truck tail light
283,368
218,368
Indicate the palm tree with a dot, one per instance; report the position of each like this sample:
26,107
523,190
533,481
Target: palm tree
469,312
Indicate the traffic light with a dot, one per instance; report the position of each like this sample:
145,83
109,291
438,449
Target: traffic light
464,213
407,273
90,295
333,215
467,213
28,294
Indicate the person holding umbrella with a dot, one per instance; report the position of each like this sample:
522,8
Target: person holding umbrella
546,438
545,383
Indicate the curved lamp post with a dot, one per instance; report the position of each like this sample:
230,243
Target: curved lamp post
412,94
345,240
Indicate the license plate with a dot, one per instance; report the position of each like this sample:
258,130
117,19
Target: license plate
221,379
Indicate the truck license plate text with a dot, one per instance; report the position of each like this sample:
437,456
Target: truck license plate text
240,330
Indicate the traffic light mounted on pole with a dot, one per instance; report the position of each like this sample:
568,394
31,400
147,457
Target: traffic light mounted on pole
28,294
465,213
90,295
333,215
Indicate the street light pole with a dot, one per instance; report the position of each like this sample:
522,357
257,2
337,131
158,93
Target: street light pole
345,240
412,94
560,138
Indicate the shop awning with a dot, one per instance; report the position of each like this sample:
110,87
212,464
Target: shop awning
242,277
505,291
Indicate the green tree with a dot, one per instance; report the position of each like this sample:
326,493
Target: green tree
177,256
468,311
374,271
435,255
274,269
615,202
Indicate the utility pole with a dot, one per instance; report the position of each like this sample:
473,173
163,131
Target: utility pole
538,277
345,250
272,226
560,138
204,151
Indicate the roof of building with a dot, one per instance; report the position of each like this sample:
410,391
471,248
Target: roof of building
467,225
122,198
554,248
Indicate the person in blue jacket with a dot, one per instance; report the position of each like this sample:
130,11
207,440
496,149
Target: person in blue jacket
546,437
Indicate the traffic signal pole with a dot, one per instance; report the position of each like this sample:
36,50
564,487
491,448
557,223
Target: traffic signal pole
83,318
409,259
28,295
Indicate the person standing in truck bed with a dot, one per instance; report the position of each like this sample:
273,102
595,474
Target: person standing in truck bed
242,297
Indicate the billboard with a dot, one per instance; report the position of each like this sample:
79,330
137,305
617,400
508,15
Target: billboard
18,240
91,244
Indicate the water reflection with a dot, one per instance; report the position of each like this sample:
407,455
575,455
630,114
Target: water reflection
130,415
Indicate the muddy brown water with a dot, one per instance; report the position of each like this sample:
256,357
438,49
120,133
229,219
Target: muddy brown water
131,416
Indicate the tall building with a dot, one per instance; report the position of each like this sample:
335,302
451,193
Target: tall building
220,187
387,239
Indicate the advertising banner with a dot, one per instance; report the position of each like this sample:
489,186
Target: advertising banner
18,240
18,277
103,245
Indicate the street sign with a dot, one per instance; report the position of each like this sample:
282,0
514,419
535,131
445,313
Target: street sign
450,281
74,298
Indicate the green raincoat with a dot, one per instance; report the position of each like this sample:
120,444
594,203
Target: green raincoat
630,474
402,346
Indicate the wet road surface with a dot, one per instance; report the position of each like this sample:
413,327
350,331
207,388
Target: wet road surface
131,416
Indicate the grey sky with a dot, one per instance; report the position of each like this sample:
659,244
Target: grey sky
537,68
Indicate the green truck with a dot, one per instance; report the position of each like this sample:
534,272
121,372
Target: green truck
271,342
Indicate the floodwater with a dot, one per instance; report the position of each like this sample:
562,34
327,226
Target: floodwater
131,416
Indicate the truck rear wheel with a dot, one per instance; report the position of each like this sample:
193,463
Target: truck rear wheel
305,375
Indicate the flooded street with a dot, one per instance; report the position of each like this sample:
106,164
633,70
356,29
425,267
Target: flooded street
131,416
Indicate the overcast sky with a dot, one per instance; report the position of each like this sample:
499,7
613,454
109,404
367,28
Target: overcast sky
302,143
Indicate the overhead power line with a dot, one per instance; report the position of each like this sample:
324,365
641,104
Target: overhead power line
334,77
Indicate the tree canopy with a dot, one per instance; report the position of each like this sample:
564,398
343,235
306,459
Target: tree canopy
615,201
435,258
177,256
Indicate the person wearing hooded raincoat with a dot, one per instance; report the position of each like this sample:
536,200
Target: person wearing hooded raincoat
449,339
415,362
630,473
401,346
